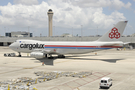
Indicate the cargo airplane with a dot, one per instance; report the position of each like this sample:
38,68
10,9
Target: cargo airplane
45,49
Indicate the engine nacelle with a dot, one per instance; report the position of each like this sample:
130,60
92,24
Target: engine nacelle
37,54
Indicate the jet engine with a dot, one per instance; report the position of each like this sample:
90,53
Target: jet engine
37,54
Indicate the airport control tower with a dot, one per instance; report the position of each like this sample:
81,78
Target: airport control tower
50,17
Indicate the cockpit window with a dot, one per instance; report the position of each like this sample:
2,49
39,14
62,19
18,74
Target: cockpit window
18,41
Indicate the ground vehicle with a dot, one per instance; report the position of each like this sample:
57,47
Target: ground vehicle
105,82
9,55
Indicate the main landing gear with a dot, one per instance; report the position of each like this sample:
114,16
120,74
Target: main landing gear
61,56
49,56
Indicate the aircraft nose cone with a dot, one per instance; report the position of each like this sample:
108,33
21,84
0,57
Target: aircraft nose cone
11,46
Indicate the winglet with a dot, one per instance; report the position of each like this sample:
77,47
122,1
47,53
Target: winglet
115,33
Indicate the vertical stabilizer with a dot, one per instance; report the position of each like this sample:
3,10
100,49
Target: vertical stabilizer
115,33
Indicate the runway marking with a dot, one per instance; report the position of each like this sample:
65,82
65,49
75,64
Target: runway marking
123,80
31,67
28,68
11,71
85,82
19,69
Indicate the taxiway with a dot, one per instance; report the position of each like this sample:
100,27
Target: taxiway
119,65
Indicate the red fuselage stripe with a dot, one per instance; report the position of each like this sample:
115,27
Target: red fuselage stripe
82,46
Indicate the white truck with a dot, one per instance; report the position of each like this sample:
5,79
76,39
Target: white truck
105,82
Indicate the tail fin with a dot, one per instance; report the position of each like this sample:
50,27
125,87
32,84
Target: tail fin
115,33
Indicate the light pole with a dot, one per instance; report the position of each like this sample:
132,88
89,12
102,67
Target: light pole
28,31
54,30
72,31
97,30
81,31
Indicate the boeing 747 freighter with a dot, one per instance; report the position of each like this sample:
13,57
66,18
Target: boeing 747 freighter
45,49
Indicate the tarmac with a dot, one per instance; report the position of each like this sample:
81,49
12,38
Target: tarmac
119,65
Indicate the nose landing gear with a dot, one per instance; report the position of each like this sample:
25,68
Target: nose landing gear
19,54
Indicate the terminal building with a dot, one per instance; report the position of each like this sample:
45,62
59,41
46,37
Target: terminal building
12,36
18,34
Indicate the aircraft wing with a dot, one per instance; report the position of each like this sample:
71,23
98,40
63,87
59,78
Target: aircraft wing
111,44
47,51
55,51
125,43
116,44
51,51
61,51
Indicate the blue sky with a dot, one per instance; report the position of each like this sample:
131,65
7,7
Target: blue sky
5,2
70,16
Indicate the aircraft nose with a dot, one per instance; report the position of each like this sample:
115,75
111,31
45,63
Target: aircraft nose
11,46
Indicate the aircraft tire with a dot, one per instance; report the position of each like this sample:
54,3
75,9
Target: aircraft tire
19,55
61,56
50,57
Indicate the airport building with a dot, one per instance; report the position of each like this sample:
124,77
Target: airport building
18,34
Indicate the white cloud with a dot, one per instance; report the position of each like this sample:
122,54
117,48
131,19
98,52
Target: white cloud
26,2
107,20
66,15
116,4
24,15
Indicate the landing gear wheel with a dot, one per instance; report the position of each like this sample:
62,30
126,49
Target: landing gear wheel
50,56
19,54
46,55
61,56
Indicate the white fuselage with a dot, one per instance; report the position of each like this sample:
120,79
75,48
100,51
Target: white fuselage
41,49
63,47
